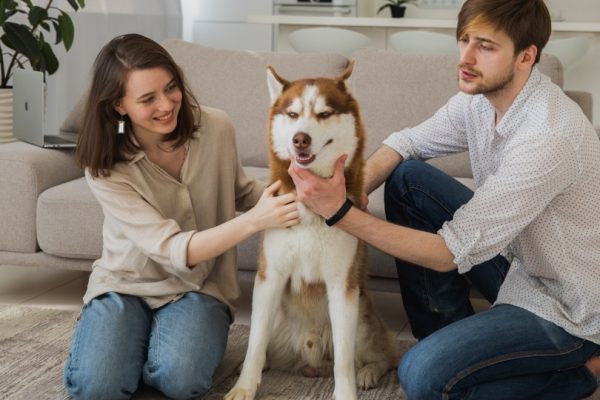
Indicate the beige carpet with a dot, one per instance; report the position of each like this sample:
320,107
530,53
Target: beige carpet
34,343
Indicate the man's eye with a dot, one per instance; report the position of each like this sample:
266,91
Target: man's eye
292,114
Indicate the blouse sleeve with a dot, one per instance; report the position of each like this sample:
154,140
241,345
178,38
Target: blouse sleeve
131,216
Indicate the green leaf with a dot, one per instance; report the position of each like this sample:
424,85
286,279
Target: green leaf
67,30
21,40
57,31
383,7
74,4
37,15
45,26
81,3
50,61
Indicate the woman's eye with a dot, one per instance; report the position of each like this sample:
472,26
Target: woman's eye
292,114
148,100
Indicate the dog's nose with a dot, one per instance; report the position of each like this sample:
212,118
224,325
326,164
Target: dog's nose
301,140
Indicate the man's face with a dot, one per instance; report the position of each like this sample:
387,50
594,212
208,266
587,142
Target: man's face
487,62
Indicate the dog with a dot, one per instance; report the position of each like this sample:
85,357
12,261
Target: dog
311,307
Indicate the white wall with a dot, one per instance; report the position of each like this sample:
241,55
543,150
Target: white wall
95,25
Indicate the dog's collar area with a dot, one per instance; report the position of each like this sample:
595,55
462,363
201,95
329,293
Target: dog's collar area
335,218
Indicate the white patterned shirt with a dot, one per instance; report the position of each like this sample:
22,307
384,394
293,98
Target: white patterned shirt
537,198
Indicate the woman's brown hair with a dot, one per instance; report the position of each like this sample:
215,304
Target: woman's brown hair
526,22
100,146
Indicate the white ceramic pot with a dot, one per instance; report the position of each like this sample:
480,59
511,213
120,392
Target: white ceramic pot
6,116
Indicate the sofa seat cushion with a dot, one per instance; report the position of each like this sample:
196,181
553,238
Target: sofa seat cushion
69,221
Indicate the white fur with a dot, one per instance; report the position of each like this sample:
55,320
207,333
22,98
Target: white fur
338,128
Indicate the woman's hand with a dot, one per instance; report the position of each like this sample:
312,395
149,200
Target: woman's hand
274,211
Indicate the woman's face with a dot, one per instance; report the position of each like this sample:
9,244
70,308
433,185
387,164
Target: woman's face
152,101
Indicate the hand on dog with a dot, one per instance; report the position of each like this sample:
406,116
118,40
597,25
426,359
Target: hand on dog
322,196
274,211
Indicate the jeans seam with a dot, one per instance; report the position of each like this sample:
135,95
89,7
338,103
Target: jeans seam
506,357
157,341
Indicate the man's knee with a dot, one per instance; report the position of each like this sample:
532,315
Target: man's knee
417,372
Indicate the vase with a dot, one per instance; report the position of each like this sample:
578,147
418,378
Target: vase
6,116
397,11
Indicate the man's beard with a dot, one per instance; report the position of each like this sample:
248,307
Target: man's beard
492,88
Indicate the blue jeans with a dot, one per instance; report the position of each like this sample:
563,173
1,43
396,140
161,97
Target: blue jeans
422,197
120,340
504,353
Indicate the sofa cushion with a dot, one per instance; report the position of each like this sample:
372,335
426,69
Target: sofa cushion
69,221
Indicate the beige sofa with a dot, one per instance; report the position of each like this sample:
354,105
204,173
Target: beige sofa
49,217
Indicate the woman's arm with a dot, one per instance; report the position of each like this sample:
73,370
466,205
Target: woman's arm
271,211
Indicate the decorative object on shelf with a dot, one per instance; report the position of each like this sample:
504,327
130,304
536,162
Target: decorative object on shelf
397,7
23,44
423,42
326,39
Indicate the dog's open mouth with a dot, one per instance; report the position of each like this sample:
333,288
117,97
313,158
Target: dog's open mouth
304,158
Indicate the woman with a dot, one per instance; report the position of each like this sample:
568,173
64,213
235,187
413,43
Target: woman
166,173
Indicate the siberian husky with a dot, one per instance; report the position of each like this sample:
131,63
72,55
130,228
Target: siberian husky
310,307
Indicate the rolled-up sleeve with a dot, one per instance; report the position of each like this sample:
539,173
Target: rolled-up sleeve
534,170
129,216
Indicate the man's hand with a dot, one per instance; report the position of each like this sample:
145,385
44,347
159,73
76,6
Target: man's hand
322,196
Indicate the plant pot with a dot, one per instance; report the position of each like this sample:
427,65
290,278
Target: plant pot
6,116
397,11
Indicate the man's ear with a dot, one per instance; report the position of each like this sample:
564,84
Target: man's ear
528,56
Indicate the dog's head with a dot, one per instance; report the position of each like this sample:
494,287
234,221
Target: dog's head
315,121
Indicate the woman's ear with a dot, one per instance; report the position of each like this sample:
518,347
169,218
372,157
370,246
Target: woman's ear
119,109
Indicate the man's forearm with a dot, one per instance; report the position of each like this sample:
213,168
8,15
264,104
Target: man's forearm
418,247
379,167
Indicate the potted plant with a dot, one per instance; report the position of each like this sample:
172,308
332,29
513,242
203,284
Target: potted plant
24,43
397,7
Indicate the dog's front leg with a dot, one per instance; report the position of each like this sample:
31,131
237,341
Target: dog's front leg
265,300
343,311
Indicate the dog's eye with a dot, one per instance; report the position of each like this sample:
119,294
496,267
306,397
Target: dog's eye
292,114
323,115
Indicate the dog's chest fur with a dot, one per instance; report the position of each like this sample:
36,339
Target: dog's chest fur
308,252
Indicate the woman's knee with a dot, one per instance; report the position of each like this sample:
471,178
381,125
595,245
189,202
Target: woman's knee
178,383
112,383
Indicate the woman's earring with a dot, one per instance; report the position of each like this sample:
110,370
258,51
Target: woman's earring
121,126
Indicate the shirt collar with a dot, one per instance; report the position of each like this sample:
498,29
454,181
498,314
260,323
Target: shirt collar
512,119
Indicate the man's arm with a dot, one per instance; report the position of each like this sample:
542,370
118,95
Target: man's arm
326,196
379,167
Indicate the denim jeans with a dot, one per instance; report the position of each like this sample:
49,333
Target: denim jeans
504,353
422,197
120,340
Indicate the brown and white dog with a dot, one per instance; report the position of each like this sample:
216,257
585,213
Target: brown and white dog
310,305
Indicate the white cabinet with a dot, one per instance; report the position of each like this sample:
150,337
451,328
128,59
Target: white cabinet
223,24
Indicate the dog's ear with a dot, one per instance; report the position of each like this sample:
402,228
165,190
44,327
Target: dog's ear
275,83
347,72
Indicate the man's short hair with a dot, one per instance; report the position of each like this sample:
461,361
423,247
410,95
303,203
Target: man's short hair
526,22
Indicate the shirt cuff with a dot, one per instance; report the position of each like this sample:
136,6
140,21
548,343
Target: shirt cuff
178,250
460,249
400,143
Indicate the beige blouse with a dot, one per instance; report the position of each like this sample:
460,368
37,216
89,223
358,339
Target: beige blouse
149,218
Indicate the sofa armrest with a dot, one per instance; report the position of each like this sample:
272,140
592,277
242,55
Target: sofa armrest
25,172
583,100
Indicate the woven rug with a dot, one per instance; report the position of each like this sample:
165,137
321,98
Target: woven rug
34,343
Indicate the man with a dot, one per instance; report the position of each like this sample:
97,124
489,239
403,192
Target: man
536,164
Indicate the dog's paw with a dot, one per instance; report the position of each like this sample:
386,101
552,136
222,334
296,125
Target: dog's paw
238,393
368,376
